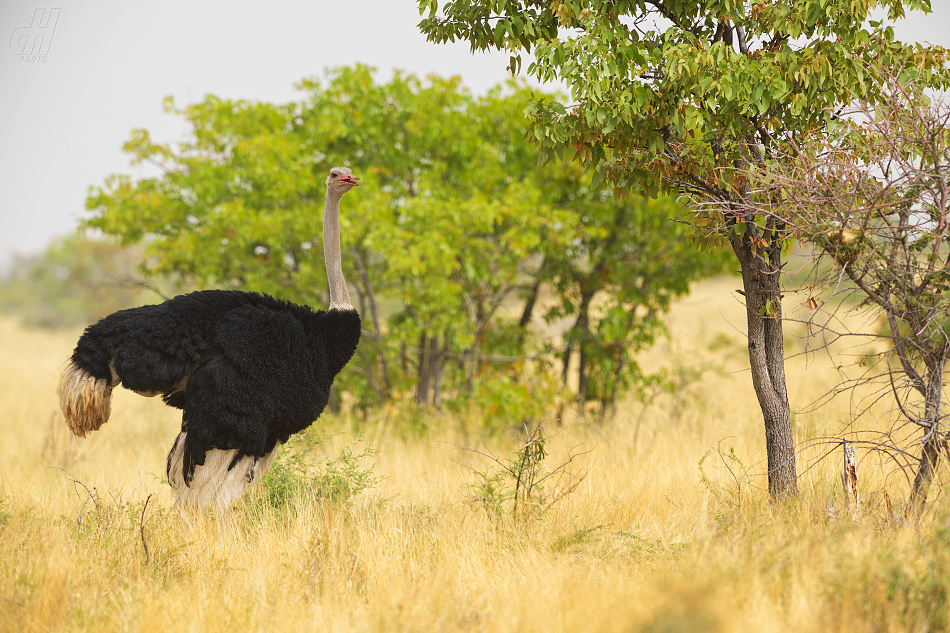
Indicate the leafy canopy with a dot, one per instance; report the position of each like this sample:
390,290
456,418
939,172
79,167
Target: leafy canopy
453,222
678,93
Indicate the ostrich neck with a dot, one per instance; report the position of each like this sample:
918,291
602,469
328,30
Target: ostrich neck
339,297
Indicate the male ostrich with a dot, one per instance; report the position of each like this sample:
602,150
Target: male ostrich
246,369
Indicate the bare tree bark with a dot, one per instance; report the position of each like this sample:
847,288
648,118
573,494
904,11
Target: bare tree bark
470,362
436,366
929,459
422,386
377,336
933,442
370,374
582,379
609,404
763,299
333,402
430,371
581,329
568,349
528,310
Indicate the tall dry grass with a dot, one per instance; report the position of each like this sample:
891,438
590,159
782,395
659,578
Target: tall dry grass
89,541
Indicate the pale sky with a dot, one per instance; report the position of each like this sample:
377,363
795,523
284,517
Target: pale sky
110,64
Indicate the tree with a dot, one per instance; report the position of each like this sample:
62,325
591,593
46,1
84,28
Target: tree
77,280
876,205
447,232
618,276
692,96
238,203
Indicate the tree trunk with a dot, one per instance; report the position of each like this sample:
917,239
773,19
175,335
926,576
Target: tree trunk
568,348
528,311
370,374
763,299
470,368
582,327
933,442
929,459
422,386
610,403
333,403
609,409
369,295
435,369
582,378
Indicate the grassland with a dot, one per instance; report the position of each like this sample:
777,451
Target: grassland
89,540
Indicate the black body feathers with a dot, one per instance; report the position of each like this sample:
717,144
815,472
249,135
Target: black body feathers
247,370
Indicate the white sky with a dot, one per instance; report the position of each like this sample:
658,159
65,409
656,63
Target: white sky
111,63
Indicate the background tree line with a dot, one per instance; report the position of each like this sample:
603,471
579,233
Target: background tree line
485,282
77,280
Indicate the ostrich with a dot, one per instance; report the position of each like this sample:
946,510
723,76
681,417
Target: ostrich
246,369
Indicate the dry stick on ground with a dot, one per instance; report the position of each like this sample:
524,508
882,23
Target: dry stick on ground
849,478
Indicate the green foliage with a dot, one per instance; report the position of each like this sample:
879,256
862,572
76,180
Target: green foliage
491,491
440,243
669,94
635,259
504,396
297,475
699,98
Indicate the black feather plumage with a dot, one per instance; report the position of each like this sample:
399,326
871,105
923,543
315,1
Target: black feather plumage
247,370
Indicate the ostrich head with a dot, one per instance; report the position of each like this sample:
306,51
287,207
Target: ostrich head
341,180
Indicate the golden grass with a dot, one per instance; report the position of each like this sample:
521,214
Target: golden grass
641,545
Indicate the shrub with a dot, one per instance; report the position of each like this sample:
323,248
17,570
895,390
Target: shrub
297,474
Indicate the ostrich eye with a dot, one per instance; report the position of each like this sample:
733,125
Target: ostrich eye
333,174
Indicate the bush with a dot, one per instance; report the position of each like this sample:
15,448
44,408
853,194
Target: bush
298,475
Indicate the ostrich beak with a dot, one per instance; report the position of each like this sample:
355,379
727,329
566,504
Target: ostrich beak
349,180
